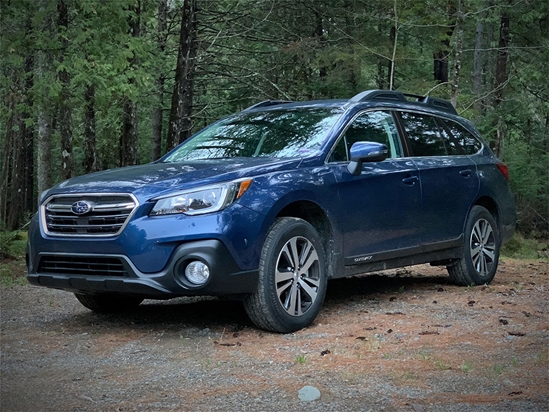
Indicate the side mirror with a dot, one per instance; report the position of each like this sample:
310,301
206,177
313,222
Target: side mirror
366,152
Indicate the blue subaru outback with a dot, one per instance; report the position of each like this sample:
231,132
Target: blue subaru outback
269,204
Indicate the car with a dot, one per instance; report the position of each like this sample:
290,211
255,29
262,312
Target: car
268,204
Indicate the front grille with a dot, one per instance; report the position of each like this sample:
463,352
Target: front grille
77,265
106,215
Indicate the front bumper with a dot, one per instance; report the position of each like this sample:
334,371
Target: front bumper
226,277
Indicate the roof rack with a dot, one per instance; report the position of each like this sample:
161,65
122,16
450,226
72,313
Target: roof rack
440,104
267,103
395,95
370,95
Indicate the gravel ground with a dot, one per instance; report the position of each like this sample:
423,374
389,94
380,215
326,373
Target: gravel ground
405,341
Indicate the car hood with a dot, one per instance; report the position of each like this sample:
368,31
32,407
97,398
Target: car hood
155,179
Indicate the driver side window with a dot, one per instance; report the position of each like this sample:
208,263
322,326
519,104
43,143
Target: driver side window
376,127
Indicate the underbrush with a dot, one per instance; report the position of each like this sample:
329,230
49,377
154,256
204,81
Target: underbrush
520,247
13,244
12,258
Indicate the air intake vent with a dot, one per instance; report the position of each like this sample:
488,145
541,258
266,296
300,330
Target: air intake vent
87,214
77,265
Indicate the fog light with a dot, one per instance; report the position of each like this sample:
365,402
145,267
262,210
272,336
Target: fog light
197,272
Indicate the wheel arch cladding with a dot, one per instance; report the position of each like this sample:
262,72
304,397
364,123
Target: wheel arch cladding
489,204
317,217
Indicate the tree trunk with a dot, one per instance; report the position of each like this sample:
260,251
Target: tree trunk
65,113
29,199
21,188
394,39
319,34
478,63
440,71
383,64
17,186
157,115
459,49
503,54
90,150
182,97
6,168
43,176
44,66
128,138
501,81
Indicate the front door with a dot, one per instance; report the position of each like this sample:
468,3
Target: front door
380,208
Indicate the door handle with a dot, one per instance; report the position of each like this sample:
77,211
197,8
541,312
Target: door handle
410,180
466,172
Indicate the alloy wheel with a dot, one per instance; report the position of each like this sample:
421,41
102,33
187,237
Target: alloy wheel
297,276
483,247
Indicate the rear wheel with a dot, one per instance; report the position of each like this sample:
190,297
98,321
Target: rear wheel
292,278
108,303
480,250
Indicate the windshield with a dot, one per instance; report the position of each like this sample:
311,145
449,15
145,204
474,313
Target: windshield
277,133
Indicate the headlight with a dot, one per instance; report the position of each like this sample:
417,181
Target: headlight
202,200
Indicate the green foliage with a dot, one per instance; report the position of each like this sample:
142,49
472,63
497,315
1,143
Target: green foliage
12,244
467,366
440,365
520,248
301,359
13,272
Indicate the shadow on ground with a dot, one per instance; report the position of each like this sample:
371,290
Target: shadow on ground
213,313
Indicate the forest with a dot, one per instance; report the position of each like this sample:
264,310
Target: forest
87,85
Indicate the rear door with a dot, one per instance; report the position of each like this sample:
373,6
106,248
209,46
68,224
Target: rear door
449,178
380,208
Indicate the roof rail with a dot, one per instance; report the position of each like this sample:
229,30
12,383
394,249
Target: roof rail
369,95
266,103
394,95
440,104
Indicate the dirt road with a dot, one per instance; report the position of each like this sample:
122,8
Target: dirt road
407,341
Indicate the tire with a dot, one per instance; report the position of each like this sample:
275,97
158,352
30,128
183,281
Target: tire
108,303
289,296
480,250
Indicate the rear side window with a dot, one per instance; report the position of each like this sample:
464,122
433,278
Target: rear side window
423,134
376,127
466,140
452,145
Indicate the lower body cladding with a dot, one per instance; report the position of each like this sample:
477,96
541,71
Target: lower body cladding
196,268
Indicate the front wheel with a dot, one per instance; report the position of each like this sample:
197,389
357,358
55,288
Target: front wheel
292,278
480,250
108,303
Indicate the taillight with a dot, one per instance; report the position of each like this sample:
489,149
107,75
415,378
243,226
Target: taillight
502,167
